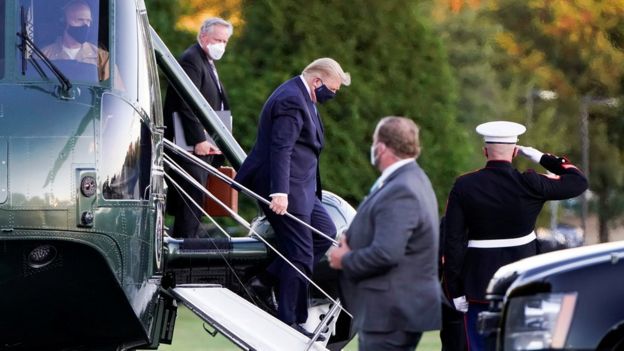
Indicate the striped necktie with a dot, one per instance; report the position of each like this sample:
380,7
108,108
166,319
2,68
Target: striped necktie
215,77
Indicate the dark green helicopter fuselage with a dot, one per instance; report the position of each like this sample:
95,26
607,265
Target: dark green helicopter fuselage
81,195
97,271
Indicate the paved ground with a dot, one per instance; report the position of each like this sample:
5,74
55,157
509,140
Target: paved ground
591,237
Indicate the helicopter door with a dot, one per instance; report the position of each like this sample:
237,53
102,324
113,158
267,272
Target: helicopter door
243,323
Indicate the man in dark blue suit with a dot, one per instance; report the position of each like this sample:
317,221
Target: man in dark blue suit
284,165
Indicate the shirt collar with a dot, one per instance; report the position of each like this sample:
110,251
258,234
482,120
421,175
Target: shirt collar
306,85
498,164
393,167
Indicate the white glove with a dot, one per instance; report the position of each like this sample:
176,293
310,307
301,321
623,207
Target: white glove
531,153
461,304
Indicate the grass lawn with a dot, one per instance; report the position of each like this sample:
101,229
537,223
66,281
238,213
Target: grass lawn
189,335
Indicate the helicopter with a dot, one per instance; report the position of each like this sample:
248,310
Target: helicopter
86,262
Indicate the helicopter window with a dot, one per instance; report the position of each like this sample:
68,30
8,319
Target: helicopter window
144,78
73,34
126,46
125,152
2,39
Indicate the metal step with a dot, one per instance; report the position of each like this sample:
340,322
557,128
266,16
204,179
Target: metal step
243,323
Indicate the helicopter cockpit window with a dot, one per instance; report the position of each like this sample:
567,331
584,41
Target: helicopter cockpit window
72,34
125,153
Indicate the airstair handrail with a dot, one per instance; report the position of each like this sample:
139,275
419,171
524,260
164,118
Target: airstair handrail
176,168
231,182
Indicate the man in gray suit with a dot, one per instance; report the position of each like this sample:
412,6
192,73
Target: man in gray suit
388,258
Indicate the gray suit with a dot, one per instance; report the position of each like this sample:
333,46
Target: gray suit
390,278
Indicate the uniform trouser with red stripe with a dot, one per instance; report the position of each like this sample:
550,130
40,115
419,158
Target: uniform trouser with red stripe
476,341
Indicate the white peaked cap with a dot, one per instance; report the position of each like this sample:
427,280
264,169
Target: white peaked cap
501,132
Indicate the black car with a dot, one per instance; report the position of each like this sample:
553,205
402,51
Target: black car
563,300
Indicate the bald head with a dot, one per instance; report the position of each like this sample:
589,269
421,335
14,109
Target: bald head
500,152
78,13
77,24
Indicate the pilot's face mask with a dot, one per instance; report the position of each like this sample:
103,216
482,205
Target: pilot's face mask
79,33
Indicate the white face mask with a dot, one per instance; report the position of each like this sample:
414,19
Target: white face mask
373,157
216,50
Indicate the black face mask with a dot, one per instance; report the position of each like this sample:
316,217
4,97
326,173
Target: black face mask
323,94
80,34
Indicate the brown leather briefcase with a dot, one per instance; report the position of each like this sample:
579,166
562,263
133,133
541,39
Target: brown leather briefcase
223,192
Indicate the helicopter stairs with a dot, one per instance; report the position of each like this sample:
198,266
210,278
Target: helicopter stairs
245,324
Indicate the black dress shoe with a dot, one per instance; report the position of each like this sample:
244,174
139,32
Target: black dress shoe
302,330
263,294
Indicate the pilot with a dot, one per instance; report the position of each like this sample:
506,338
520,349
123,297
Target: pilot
491,213
73,44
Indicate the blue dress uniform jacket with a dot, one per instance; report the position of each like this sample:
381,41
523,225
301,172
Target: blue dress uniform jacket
498,202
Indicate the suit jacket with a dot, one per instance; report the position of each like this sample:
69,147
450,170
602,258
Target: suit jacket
285,157
195,63
390,278
498,202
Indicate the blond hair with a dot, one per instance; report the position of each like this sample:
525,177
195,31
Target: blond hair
327,67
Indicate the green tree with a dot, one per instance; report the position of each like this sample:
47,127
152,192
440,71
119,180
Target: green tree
575,48
164,16
398,67
485,94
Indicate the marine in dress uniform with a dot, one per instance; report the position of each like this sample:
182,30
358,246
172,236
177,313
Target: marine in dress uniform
491,214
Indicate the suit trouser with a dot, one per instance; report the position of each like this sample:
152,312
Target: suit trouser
304,249
188,216
392,341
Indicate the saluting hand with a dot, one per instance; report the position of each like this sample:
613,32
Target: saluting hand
279,204
531,153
